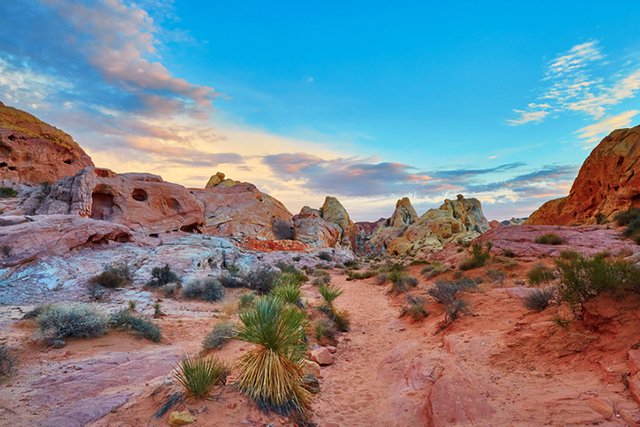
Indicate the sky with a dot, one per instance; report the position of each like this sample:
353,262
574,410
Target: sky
365,101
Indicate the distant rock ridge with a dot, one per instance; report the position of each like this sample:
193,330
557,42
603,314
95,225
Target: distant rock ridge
404,233
608,183
33,152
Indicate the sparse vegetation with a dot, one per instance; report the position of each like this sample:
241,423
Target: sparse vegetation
246,300
199,376
496,276
329,294
114,276
631,219
403,282
161,276
58,321
271,373
288,292
326,329
433,269
219,335
125,320
352,263
539,274
261,280
325,256
479,256
206,288
341,320
291,274
549,239
454,309
7,361
157,310
359,275
381,279
231,280
584,278
539,299
415,308
7,192
446,293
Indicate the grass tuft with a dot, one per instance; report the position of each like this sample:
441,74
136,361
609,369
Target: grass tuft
221,333
199,376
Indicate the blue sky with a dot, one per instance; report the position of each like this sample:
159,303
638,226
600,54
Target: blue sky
367,102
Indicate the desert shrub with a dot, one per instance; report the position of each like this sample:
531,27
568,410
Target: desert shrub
219,335
161,276
288,278
114,276
261,280
584,278
125,320
229,280
325,256
633,230
381,279
549,239
454,309
57,321
496,276
157,310
419,262
479,256
359,275
7,361
560,320
329,294
325,328
415,308
246,300
199,376
288,292
539,299
508,253
569,255
446,291
132,305
292,273
626,217
403,282
433,269
7,192
321,280
271,373
341,320
206,288
352,263
540,273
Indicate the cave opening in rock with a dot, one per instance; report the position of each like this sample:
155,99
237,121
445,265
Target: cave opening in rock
101,204
139,194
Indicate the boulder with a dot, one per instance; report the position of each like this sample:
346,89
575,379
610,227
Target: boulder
309,227
404,215
322,356
242,211
33,152
608,183
140,201
332,211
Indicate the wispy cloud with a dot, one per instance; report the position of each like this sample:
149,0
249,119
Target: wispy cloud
594,132
573,82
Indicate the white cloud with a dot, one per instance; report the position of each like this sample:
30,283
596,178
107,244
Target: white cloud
594,132
572,86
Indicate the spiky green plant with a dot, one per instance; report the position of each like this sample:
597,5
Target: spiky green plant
246,300
271,374
329,294
198,376
287,292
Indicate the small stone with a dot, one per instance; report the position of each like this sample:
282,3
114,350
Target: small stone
322,356
310,368
181,418
331,349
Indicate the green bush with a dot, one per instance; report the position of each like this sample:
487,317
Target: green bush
329,294
288,292
199,376
292,273
325,328
246,300
161,276
402,282
584,278
261,280
549,239
415,308
206,288
113,276
360,275
626,217
352,263
7,192
540,273
271,374
57,321
539,299
7,361
479,256
446,291
219,335
125,320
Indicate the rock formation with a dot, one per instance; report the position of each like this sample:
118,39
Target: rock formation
404,233
33,152
142,202
219,180
242,211
608,183
328,226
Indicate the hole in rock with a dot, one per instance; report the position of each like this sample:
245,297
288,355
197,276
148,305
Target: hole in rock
139,194
101,204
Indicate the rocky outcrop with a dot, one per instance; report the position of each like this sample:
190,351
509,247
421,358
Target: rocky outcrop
142,202
242,211
219,180
608,183
33,152
329,226
404,233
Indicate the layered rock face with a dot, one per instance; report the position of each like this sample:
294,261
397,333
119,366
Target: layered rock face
404,233
142,202
33,152
242,211
608,183
328,226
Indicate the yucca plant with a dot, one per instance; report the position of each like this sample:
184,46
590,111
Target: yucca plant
198,376
329,294
246,300
287,292
271,374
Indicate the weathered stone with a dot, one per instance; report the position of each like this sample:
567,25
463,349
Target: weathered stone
181,418
310,228
322,356
332,211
